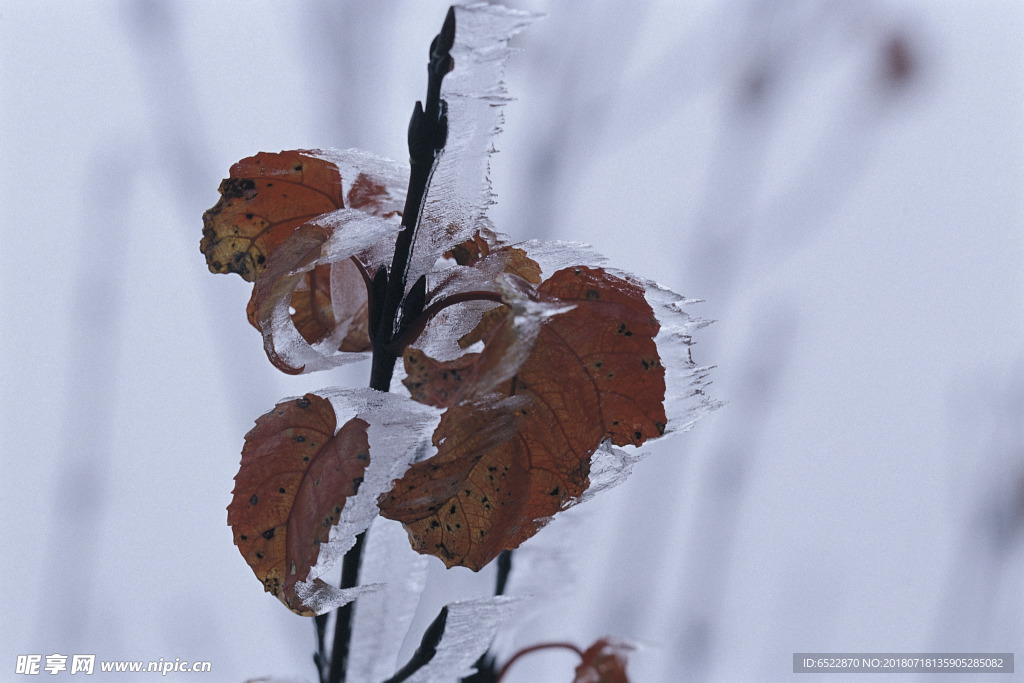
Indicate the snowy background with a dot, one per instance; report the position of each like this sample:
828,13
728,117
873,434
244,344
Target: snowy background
842,183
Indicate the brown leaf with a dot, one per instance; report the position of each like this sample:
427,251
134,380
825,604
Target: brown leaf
294,479
469,252
603,662
262,201
593,374
315,311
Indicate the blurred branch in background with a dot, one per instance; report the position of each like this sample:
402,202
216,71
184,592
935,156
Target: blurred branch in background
980,605
82,495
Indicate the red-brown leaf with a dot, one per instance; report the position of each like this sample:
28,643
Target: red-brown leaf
262,201
294,479
603,662
314,317
503,469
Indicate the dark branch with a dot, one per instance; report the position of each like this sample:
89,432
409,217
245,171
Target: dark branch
343,624
427,649
428,131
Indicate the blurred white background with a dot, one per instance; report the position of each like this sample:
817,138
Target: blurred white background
842,183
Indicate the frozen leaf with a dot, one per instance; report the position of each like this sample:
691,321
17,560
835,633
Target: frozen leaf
603,662
330,240
262,201
504,467
330,303
399,433
295,477
281,222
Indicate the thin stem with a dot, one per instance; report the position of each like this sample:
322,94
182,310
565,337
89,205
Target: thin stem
427,649
535,648
367,280
410,333
504,567
343,623
320,656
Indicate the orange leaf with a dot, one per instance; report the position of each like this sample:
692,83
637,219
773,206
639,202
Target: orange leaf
295,477
262,201
502,469
603,662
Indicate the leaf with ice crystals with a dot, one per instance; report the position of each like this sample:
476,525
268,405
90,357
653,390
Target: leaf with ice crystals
263,200
460,193
504,467
282,223
296,475
303,493
331,239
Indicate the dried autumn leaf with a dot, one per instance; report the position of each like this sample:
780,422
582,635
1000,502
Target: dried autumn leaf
263,200
266,202
294,479
317,313
593,374
603,662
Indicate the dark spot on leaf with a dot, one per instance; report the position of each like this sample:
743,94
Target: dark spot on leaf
452,510
302,402
255,499
434,524
244,537
259,556
637,435
592,294
555,491
300,439
268,534
281,490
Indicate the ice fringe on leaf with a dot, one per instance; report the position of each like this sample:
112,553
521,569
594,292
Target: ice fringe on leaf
460,190
686,400
398,429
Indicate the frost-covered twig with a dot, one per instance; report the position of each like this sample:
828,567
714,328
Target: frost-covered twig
428,130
